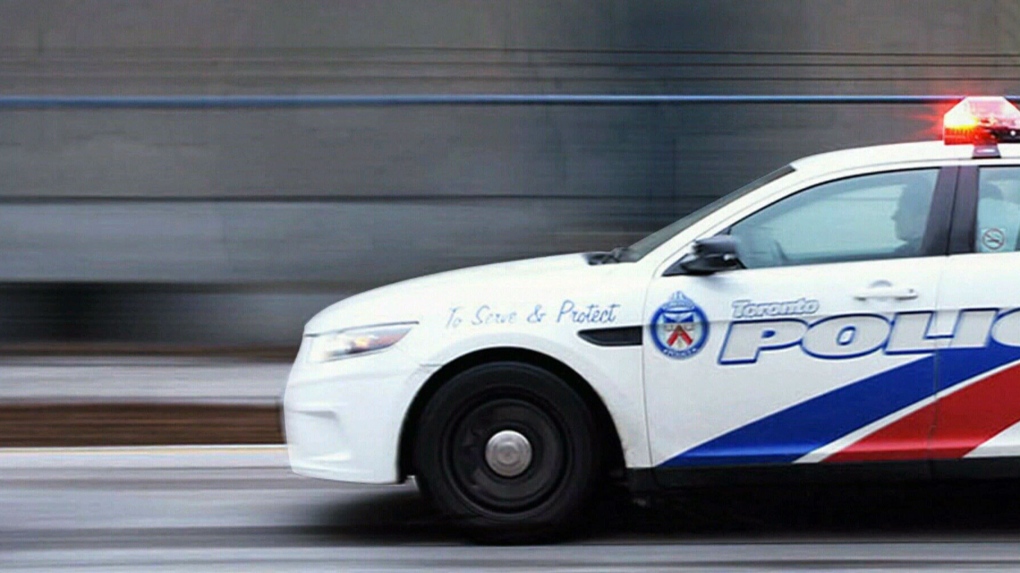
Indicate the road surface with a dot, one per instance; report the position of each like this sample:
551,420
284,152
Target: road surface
240,509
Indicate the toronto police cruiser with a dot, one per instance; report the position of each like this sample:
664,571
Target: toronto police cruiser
850,312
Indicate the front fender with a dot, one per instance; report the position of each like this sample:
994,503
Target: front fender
614,374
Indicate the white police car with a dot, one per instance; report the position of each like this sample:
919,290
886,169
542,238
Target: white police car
856,311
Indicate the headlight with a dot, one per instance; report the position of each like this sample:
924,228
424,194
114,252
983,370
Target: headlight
331,346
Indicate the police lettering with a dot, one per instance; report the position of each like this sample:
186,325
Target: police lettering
747,309
846,336
746,339
853,335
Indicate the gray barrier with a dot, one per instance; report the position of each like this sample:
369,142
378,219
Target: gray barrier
230,224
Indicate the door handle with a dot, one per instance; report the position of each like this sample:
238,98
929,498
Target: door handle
898,293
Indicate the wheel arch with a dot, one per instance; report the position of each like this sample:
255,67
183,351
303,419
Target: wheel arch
611,443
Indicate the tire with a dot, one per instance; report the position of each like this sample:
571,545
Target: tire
497,403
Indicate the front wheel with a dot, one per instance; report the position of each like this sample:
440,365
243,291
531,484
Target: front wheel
509,451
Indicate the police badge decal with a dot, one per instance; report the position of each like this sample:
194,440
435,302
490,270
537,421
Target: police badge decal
679,327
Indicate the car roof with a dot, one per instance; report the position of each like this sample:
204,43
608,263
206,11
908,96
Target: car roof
894,154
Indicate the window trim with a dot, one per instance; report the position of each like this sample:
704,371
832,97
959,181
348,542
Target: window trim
963,236
938,236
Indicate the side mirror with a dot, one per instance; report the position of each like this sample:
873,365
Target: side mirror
710,255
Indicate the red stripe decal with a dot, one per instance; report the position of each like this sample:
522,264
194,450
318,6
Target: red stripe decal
966,419
904,439
975,414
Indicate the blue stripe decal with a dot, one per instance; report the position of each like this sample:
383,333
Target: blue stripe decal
790,434
959,365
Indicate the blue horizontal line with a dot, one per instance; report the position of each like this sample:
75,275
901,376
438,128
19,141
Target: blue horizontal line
200,102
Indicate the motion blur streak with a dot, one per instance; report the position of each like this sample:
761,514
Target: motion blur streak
169,189
233,509
224,220
325,101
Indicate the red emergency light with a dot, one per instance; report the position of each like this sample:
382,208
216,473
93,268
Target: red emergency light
982,121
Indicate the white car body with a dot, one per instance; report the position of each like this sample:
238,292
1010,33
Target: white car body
731,401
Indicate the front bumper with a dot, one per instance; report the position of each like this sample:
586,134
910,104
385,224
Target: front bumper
342,419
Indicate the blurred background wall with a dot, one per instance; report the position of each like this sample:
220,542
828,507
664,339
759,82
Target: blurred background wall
229,228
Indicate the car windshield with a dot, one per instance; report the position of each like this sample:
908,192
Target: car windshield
648,244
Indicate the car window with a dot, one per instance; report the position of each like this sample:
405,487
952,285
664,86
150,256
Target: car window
876,216
998,210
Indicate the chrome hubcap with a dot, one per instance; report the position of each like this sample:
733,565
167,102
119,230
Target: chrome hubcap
508,453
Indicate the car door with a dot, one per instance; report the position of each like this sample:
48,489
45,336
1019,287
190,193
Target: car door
812,353
978,408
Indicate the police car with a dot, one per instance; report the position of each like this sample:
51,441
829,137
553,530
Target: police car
852,315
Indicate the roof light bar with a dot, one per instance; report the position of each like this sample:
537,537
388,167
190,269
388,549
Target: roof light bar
982,121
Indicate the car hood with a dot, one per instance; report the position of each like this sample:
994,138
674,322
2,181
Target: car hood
417,299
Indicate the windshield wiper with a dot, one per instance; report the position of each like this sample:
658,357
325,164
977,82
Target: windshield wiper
604,258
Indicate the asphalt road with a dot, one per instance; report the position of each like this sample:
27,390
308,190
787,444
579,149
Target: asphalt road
239,509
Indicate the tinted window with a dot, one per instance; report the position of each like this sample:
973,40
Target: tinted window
876,216
998,212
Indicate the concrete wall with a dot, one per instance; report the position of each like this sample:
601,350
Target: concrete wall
309,205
